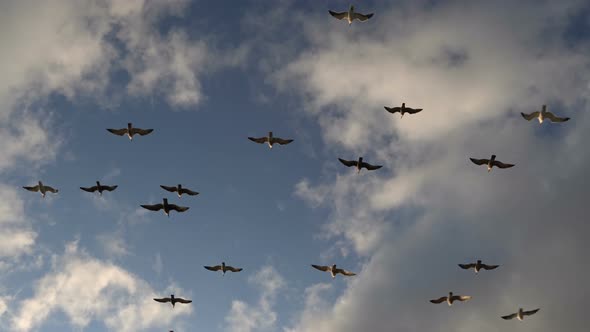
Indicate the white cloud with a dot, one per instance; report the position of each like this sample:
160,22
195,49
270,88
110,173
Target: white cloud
158,264
244,317
16,234
86,289
114,244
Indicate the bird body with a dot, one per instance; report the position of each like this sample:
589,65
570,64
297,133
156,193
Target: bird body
490,163
173,300
477,266
179,190
542,115
451,298
130,131
270,140
166,207
351,15
333,270
359,164
223,268
402,110
100,188
42,189
520,314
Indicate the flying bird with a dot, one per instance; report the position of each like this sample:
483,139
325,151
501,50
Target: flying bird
42,189
130,131
359,164
490,163
544,114
99,187
451,298
223,268
402,110
179,190
351,15
270,140
477,266
333,270
520,314
173,300
167,207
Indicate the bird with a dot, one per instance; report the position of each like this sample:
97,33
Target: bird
42,189
359,164
130,131
173,300
451,298
167,207
402,110
520,314
542,115
351,15
490,163
333,270
179,190
477,266
223,268
270,140
99,187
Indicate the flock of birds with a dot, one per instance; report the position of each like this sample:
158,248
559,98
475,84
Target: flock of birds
359,164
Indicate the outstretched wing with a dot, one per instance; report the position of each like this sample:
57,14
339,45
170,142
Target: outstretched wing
213,268
178,208
554,118
467,266
119,132
362,17
109,188
413,110
170,189
140,131
348,163
282,141
510,316
439,300
500,164
188,192
530,116
163,300
90,189
461,298
181,300
338,15
530,312
155,207
51,189
233,269
344,272
479,161
260,140
392,110
489,267
370,167
321,268
33,188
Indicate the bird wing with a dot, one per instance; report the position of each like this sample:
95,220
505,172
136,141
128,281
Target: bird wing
140,131
233,269
479,161
33,188
178,208
90,189
530,116
109,188
530,312
467,266
489,267
338,15
362,17
348,163
392,110
413,110
554,118
213,268
119,132
510,316
500,164
163,300
188,192
439,300
155,207
181,300
170,189
344,272
370,167
50,189
461,297
321,268
282,141
260,140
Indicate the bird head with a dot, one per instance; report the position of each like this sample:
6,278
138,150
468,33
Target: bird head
479,261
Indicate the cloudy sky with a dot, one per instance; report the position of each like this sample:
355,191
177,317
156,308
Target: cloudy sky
206,75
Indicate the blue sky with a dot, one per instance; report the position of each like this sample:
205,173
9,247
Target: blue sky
208,74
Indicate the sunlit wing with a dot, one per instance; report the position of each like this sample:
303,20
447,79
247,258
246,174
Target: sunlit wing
344,272
141,132
530,116
461,298
282,141
500,164
530,312
109,188
50,189
554,118
233,269
177,208
321,268
338,15
362,17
